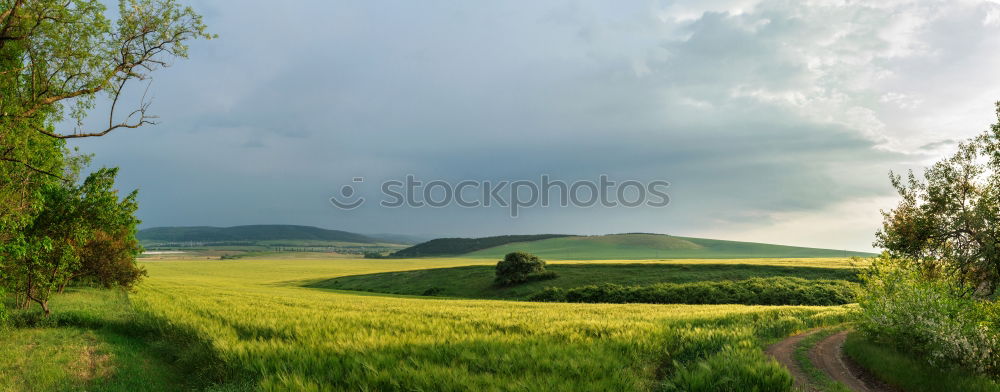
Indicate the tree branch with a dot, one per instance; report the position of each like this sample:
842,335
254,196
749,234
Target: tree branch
32,168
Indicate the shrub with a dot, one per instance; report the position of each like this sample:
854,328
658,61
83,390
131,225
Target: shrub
754,291
519,267
433,291
936,316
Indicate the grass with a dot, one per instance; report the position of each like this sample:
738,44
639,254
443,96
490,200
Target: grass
476,281
261,325
87,346
248,324
907,372
653,246
817,378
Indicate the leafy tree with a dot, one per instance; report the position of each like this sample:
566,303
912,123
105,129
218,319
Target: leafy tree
517,267
109,258
77,226
56,57
949,222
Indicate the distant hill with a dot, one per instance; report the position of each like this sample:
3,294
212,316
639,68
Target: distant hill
211,234
459,246
406,239
643,246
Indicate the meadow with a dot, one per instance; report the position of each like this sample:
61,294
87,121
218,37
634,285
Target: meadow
251,325
476,281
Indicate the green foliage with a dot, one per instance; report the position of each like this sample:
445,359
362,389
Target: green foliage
908,372
754,291
949,222
905,306
459,246
55,57
637,246
70,236
109,259
520,267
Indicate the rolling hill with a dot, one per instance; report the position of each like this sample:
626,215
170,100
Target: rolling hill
458,246
632,246
251,233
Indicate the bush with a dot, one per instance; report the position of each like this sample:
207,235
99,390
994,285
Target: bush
433,291
936,316
519,267
754,291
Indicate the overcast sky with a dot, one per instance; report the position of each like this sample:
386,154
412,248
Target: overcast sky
774,121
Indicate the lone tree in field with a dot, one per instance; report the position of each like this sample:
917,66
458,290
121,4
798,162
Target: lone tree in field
517,267
56,58
949,222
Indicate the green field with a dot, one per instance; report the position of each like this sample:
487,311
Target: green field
653,246
251,323
476,281
287,337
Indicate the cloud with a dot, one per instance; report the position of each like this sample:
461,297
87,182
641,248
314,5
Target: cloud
766,116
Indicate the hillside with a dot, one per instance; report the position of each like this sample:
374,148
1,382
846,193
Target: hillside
458,246
652,246
476,281
208,234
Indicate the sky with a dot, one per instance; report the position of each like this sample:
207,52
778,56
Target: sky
773,121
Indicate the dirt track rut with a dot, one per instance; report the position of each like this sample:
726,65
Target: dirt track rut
828,356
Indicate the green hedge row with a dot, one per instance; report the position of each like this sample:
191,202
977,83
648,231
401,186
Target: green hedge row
754,291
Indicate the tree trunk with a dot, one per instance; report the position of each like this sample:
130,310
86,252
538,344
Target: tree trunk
43,303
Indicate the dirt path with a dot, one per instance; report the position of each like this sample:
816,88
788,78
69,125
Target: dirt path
829,358
784,352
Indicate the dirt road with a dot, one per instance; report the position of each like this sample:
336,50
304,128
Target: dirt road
827,355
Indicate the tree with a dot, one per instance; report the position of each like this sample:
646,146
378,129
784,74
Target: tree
517,267
77,226
56,57
949,222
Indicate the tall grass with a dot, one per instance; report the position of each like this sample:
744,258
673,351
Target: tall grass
248,321
907,372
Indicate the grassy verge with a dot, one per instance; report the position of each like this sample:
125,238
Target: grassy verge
908,372
95,341
816,377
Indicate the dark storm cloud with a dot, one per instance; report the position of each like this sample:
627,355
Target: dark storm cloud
771,115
